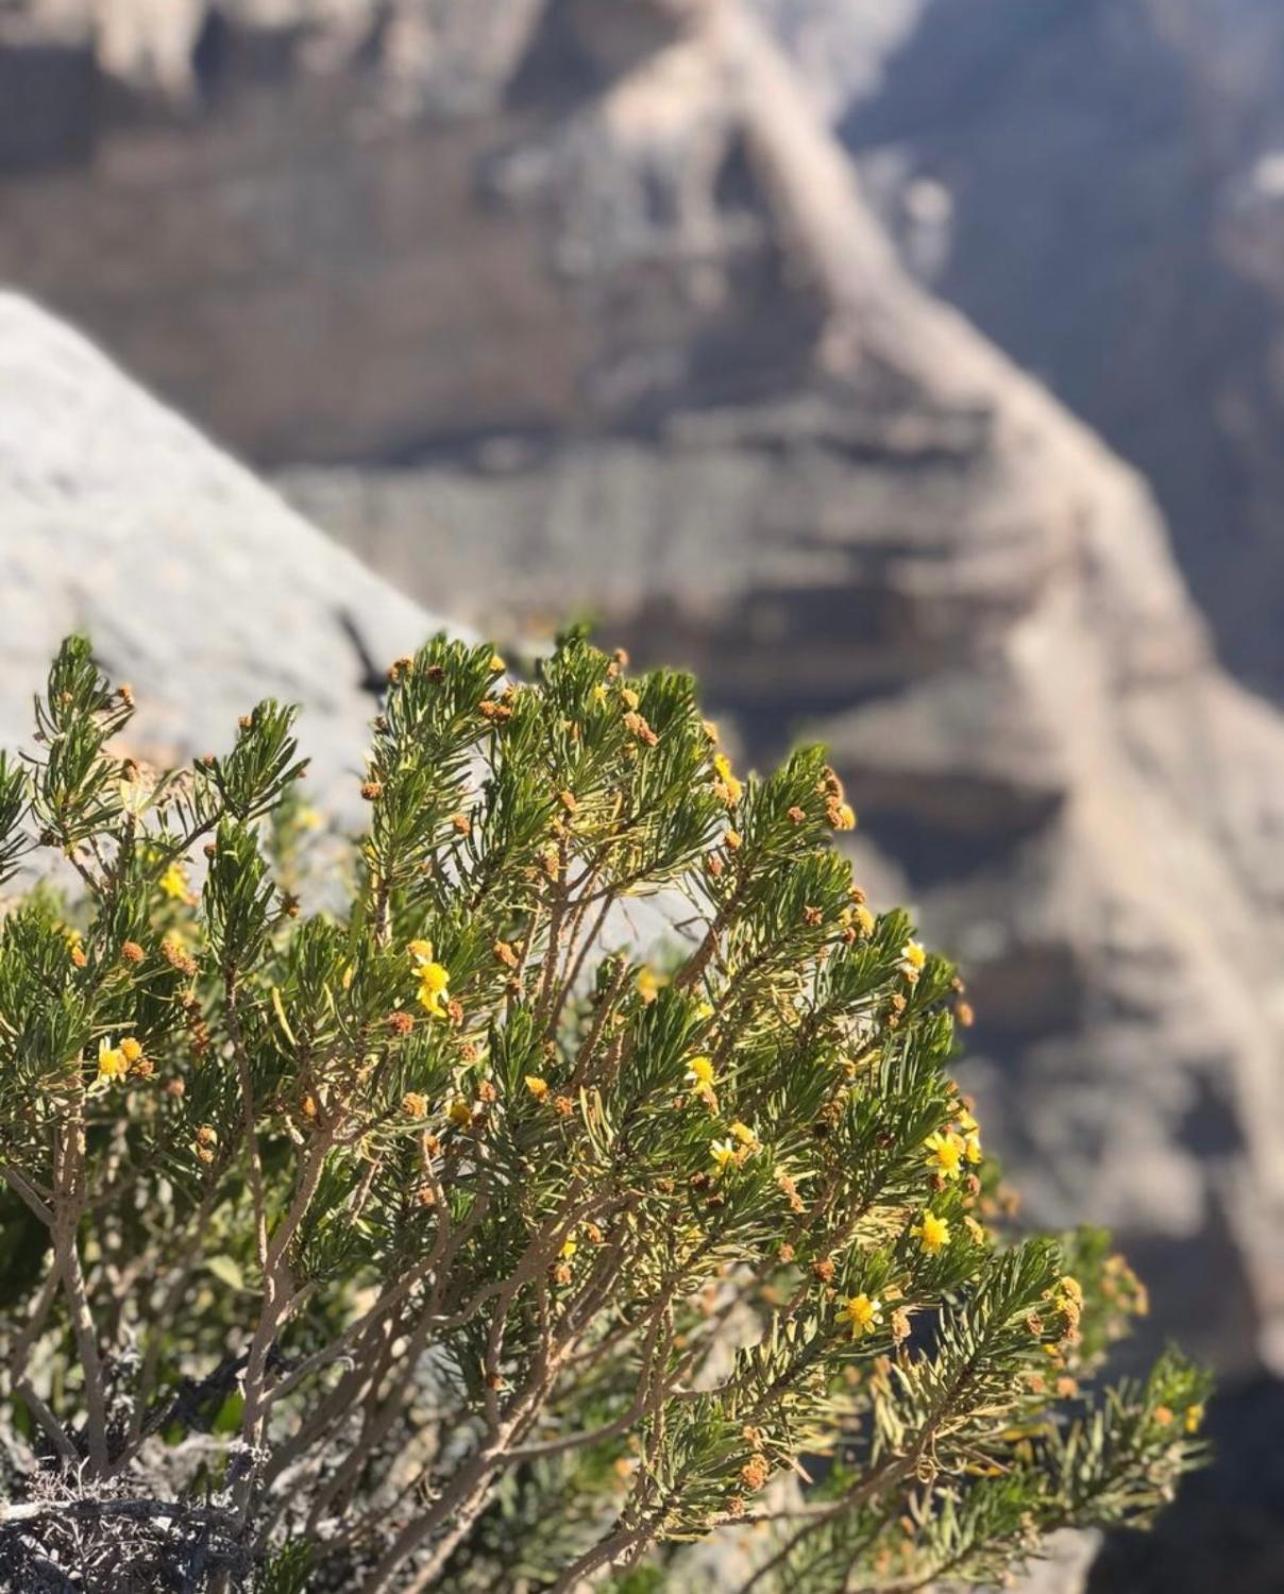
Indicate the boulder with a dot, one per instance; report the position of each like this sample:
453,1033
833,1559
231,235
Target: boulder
196,583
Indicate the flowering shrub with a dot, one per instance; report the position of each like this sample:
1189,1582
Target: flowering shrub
459,1233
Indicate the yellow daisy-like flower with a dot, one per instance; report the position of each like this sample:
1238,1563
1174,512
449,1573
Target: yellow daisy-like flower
569,1248
724,1153
932,1233
945,1154
112,1062
913,960
701,1073
865,919
538,1087
731,787
971,1132
130,1049
745,1136
173,883
496,663
434,981
650,984
865,1314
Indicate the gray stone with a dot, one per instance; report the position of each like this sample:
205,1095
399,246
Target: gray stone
195,582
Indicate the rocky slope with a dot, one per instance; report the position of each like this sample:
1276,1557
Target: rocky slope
195,582
581,305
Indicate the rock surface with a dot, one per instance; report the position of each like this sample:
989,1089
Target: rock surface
195,582
1100,186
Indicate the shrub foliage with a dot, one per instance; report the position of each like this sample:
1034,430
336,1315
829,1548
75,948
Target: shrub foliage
480,1225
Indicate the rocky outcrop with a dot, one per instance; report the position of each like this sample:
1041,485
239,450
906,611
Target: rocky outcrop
195,582
1098,184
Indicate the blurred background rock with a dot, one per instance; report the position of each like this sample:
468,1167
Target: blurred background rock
712,319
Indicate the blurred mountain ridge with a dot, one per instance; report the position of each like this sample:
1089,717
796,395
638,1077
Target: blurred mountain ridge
1098,185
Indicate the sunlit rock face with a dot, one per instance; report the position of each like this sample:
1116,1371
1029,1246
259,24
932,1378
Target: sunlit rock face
195,582
563,307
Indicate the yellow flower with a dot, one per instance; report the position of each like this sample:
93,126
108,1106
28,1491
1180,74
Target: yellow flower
913,959
130,1049
864,1314
650,984
945,1154
174,883
844,817
538,1087
865,919
701,1073
932,1233
569,1248
112,1062
745,1136
434,983
1194,1418
731,787
971,1132
723,1153
496,663
704,1011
